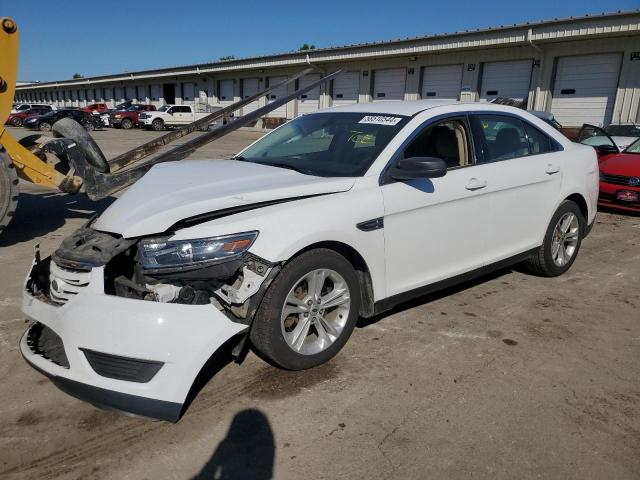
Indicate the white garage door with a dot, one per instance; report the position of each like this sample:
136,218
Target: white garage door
389,84
280,112
585,89
188,92
250,86
225,93
310,101
506,79
346,88
442,81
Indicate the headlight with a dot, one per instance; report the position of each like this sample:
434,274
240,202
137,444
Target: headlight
118,116
163,253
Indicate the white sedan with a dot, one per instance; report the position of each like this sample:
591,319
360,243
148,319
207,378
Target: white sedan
336,215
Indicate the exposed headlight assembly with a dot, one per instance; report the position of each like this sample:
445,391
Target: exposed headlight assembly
159,253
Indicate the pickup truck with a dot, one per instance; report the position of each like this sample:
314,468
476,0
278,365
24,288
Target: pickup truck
172,116
129,117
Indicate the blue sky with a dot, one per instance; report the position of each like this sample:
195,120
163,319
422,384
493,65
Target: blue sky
62,37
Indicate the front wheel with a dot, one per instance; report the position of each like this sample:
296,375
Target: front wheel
308,312
45,127
157,125
16,122
126,124
561,242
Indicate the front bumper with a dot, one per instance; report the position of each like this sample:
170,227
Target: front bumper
181,337
608,197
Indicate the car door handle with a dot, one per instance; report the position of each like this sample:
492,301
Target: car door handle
551,169
475,184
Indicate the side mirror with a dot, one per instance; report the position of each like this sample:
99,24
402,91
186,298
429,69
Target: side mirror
419,167
604,149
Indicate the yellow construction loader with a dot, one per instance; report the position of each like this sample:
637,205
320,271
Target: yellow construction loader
72,162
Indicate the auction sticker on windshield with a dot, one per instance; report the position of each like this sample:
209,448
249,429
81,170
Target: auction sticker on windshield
380,120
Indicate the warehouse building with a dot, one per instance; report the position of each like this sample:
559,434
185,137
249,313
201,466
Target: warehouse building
582,69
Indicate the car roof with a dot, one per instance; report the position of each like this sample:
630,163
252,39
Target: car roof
413,107
397,107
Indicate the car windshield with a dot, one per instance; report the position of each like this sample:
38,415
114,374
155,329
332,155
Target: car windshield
623,130
50,114
634,147
133,108
164,108
336,144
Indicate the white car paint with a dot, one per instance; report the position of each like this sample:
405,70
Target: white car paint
434,229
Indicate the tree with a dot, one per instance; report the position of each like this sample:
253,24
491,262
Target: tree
228,57
77,75
306,46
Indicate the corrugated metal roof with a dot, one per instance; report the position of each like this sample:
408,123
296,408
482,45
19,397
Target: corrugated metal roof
493,36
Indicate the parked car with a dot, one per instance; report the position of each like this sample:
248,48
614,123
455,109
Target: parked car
172,116
337,214
128,118
96,108
619,169
623,134
17,119
23,107
46,121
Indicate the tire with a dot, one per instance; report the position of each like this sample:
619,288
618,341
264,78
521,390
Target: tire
546,262
16,122
45,127
157,125
89,126
269,328
8,189
68,128
126,124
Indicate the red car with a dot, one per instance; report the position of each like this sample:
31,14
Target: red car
17,119
619,170
128,118
96,108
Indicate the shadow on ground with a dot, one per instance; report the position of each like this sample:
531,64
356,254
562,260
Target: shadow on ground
43,212
248,450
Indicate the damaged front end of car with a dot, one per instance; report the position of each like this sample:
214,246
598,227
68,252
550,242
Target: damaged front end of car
127,324
219,271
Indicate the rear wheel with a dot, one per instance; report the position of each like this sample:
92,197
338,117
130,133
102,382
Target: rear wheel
561,242
308,312
8,189
157,125
16,122
126,123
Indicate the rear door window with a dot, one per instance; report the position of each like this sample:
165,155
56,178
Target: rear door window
500,137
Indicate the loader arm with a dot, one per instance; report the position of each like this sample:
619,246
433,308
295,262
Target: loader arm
28,166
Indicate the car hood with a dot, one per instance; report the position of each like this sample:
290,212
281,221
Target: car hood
174,191
627,164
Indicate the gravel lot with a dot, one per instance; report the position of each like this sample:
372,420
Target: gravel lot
510,376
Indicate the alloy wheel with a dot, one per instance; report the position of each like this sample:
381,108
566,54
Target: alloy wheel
565,239
315,311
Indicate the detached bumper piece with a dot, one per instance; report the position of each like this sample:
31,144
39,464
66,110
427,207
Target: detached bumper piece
122,368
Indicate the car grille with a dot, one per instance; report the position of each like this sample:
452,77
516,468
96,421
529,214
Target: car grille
122,368
64,284
615,179
45,342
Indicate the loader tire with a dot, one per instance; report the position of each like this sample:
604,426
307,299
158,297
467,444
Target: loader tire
68,128
8,189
